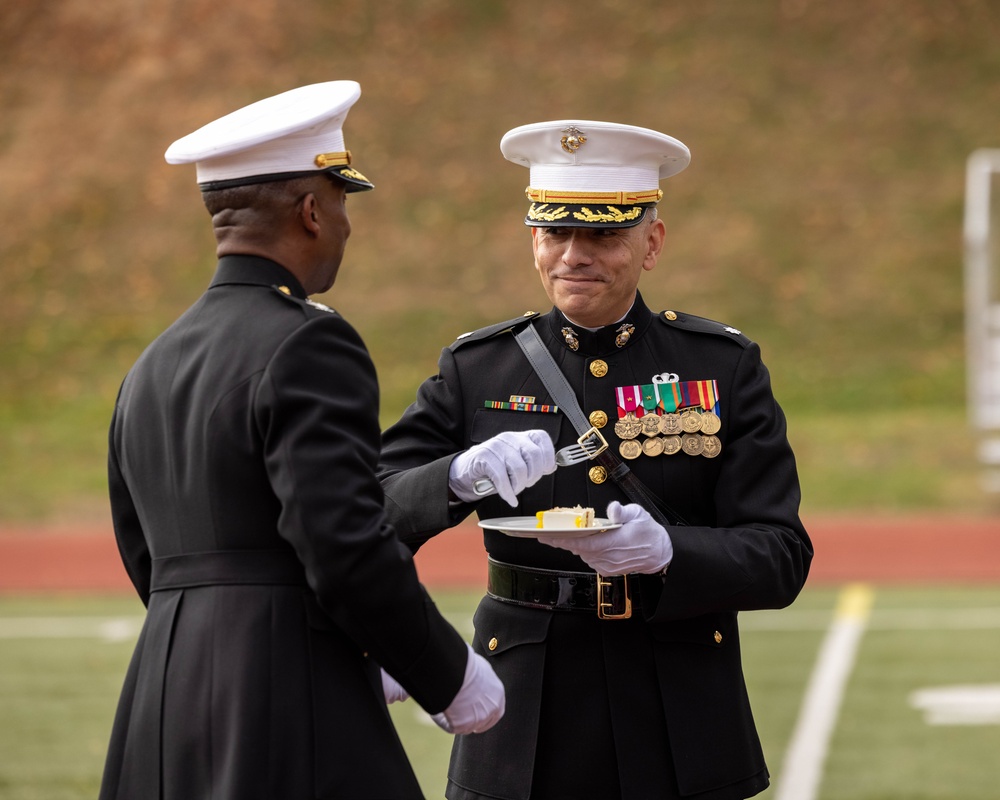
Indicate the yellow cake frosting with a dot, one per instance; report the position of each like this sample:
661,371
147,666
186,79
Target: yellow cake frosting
562,518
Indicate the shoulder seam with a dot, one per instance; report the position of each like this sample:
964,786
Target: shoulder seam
492,330
696,324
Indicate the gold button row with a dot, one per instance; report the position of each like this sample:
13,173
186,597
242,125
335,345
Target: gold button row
598,419
598,368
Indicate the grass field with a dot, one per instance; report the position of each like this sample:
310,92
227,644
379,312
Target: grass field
821,213
62,661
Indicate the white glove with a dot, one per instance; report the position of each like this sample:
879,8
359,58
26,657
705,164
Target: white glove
512,460
640,545
394,693
480,702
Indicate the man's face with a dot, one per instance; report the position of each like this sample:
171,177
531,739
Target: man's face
332,201
591,274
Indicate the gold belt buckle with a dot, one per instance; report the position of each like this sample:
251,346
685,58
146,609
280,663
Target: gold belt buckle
593,433
608,582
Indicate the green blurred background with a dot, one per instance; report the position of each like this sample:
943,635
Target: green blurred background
821,213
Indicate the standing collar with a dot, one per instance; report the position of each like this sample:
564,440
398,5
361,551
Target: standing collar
256,271
608,339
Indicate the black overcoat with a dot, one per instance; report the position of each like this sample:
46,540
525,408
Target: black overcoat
660,696
249,518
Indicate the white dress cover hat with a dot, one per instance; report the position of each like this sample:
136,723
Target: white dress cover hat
295,133
585,173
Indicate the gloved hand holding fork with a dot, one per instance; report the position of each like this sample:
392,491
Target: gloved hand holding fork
512,461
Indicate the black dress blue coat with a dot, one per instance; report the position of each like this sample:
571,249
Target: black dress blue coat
248,515
654,706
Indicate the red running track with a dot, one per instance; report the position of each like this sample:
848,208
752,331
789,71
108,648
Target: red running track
879,549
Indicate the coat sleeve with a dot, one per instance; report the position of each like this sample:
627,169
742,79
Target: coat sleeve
128,529
417,452
757,553
317,412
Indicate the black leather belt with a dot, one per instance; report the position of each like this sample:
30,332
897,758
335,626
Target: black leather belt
227,567
609,596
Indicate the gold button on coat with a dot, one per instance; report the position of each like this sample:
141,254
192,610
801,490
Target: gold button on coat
493,643
597,474
718,638
598,368
671,315
598,419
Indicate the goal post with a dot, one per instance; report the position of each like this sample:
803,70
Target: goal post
982,306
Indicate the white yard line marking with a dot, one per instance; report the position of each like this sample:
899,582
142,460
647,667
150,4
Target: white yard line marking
964,704
112,629
802,768
888,619
788,620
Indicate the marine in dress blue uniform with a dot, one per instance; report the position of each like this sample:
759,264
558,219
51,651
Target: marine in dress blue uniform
247,512
650,704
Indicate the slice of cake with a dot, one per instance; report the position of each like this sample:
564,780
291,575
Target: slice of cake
563,518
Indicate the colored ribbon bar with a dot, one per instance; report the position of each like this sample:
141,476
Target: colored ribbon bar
543,408
704,394
670,396
650,399
708,392
629,401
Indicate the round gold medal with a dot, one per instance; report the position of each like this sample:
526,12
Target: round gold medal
710,423
628,427
650,424
692,444
653,446
671,445
630,449
670,424
712,447
691,421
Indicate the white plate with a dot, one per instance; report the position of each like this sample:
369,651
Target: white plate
527,527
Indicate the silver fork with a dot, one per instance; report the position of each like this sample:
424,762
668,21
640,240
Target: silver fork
585,448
